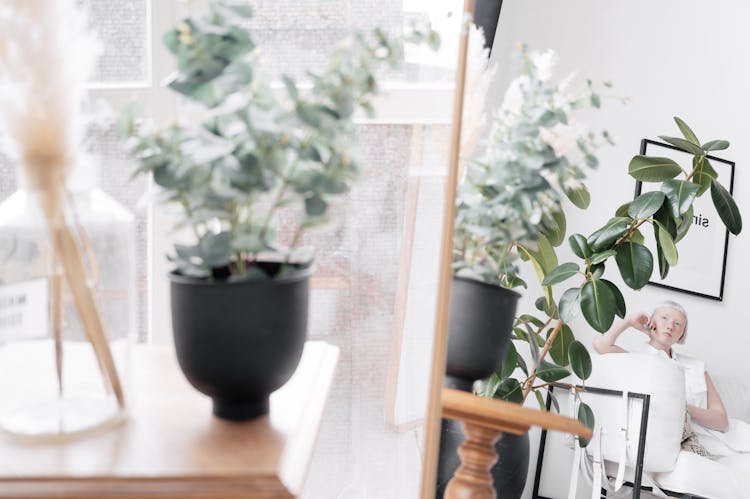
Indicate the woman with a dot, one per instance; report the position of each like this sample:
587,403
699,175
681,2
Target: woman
725,442
666,327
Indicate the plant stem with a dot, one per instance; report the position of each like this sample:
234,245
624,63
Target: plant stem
695,167
276,202
631,230
295,240
530,381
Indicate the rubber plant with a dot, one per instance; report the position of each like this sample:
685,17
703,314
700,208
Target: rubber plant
669,210
256,152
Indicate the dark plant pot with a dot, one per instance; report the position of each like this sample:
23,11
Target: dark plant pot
479,327
238,342
508,473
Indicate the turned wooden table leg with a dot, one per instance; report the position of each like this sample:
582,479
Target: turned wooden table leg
473,479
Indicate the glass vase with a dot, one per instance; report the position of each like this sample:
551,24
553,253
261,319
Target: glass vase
54,380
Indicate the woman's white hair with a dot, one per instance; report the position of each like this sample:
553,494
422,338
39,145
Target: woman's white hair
675,306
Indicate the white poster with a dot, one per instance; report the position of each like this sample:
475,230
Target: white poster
702,252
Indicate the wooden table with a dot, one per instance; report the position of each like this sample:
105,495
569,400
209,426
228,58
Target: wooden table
172,447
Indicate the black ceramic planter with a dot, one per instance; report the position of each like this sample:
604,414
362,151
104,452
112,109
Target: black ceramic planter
479,328
238,342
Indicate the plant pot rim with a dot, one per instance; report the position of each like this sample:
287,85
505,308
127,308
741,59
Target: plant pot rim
299,274
486,284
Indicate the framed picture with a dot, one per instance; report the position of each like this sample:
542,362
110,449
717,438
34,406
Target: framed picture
702,253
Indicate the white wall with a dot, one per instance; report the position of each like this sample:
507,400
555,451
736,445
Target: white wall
671,57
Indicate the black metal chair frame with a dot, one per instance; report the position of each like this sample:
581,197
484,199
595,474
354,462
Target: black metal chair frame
637,487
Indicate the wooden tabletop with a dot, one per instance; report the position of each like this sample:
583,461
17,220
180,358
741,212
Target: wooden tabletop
172,447
504,416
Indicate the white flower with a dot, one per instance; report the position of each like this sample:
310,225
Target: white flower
563,138
545,63
513,99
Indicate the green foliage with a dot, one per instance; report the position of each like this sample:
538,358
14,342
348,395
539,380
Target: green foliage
510,201
256,152
653,169
585,416
669,210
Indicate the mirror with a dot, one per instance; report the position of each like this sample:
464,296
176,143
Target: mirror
653,56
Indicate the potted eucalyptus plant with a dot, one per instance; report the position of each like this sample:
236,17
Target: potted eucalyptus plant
509,207
251,177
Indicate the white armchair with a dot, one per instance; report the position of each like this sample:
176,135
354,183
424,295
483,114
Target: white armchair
677,473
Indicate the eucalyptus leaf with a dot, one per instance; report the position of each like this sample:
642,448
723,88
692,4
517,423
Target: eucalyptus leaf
653,169
726,207
216,249
635,262
598,305
580,360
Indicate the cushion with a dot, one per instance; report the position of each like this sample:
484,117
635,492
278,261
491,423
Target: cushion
641,373
736,396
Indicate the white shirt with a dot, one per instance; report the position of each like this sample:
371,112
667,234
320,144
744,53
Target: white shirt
696,391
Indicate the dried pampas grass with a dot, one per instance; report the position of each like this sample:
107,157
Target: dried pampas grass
479,76
46,53
46,56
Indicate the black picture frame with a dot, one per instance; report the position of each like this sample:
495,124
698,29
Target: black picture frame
707,286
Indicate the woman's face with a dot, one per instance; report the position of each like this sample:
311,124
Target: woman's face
668,326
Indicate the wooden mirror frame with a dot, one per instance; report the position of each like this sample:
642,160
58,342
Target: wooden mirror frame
440,345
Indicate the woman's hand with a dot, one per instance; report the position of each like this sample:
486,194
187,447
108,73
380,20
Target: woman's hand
641,322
